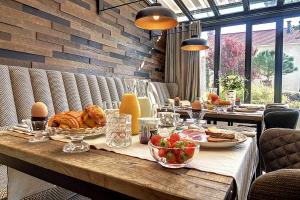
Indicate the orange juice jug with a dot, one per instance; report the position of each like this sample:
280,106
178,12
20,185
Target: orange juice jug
130,105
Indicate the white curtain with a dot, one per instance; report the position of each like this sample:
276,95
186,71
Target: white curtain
183,67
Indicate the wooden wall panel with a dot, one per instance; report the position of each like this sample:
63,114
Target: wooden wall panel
69,35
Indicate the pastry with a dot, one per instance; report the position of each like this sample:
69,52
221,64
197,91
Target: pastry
93,116
219,133
213,139
71,119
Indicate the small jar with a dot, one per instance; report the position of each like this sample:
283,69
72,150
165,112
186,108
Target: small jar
148,127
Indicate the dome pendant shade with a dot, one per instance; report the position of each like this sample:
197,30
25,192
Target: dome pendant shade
156,17
194,44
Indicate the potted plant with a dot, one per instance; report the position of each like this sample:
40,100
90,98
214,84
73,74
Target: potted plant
230,84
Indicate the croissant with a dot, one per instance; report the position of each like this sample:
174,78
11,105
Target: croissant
70,119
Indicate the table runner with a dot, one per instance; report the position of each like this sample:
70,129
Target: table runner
239,162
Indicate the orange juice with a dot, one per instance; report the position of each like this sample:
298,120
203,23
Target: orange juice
130,105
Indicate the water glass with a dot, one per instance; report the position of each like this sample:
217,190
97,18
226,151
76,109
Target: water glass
111,113
148,128
118,132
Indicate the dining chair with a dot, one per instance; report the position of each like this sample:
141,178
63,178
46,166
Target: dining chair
282,184
280,149
273,109
281,118
277,105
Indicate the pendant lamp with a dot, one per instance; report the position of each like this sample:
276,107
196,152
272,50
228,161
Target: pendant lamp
156,17
194,43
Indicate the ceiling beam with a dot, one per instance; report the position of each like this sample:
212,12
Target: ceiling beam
280,3
246,5
263,14
225,6
184,9
148,2
214,7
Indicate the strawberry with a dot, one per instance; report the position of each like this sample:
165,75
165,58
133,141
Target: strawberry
171,158
155,139
190,149
164,143
161,153
180,144
181,157
174,138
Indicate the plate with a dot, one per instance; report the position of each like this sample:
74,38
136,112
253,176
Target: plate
240,139
85,132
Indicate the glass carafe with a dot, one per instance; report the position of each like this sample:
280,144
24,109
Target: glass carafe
130,104
144,101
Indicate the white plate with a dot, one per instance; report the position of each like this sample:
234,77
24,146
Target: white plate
240,139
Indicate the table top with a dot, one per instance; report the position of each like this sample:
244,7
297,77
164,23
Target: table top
255,116
131,176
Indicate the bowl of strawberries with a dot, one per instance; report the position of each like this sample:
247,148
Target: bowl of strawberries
172,151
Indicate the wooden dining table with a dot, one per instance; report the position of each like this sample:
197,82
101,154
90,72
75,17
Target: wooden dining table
255,118
103,174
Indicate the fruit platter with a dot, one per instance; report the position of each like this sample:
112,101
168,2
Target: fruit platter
214,102
172,151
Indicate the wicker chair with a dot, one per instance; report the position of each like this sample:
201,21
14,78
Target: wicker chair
280,148
282,184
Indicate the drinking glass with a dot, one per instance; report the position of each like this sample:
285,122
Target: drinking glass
39,130
141,88
130,85
111,113
212,90
118,132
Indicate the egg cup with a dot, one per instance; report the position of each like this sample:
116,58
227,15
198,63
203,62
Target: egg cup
38,129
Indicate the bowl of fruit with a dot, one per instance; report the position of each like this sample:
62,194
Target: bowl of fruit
172,151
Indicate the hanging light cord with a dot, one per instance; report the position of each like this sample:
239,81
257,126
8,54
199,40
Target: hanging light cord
172,33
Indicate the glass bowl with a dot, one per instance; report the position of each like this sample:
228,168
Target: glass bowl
77,144
173,157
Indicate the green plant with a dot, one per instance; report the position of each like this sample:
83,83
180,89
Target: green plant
262,94
264,65
231,82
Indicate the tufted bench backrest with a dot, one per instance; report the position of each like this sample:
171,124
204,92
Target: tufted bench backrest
61,91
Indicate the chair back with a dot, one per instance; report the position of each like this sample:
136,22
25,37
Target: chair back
280,184
283,118
277,105
280,148
273,109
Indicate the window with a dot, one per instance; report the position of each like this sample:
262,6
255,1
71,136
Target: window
233,53
255,4
199,8
207,62
263,63
291,63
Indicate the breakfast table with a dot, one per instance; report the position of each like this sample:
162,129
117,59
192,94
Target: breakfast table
130,173
255,118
